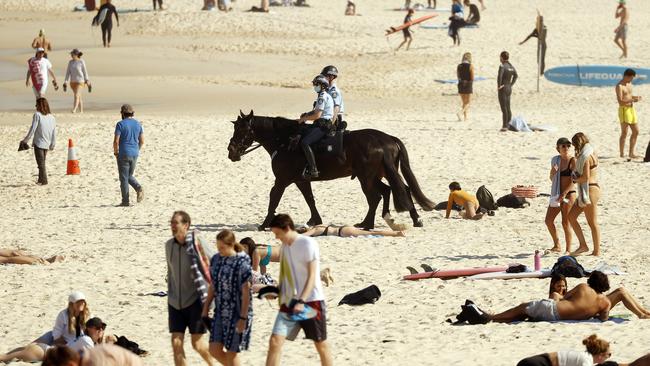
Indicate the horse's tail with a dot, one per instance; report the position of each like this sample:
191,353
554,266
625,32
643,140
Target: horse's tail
401,199
412,182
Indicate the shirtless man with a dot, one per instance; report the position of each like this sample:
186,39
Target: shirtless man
626,112
621,30
584,302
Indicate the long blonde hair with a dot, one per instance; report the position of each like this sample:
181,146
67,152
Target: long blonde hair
228,237
82,319
467,56
579,141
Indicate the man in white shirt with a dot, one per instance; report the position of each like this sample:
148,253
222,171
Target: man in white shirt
302,301
38,68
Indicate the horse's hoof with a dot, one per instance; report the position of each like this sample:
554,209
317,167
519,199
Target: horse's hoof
314,222
261,227
418,223
364,226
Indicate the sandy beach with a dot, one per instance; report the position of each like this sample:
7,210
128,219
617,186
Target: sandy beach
188,73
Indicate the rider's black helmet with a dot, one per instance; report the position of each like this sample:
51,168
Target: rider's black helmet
321,80
330,70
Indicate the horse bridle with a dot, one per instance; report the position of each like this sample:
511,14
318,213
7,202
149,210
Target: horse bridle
240,145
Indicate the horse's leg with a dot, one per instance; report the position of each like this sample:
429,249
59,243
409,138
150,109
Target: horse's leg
417,221
274,200
373,196
385,196
305,189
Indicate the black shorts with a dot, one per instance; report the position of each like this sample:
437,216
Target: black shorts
406,32
539,360
189,317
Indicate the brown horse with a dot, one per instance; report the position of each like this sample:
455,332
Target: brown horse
369,155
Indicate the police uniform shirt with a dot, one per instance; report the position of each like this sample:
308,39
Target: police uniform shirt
325,104
335,92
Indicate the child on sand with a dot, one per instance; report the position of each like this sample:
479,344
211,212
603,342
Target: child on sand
463,199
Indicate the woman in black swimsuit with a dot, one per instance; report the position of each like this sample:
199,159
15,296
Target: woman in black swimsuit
465,74
345,231
563,165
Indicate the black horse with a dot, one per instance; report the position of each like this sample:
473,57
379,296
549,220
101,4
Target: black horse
369,155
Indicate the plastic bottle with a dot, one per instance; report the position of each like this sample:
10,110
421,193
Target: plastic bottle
538,261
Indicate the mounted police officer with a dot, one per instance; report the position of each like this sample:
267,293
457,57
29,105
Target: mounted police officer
322,115
331,73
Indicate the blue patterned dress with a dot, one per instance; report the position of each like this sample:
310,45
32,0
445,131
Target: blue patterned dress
228,276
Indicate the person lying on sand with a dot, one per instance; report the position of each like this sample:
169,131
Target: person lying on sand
14,256
597,351
345,231
558,291
583,302
463,199
641,361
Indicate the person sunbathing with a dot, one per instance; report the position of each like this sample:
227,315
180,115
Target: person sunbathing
583,302
597,351
641,361
14,256
619,295
345,231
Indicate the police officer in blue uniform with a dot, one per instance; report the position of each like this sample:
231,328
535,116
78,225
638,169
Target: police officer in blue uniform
331,73
322,115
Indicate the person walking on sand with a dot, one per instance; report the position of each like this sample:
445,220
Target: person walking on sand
563,193
621,31
301,297
231,293
465,74
41,42
626,112
187,287
159,3
106,21
127,142
78,77
408,35
38,69
506,79
43,130
588,194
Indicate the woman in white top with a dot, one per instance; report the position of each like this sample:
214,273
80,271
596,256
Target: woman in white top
597,352
68,329
43,130
78,77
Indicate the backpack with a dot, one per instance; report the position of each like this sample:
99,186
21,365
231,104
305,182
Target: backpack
647,154
368,295
568,266
512,201
485,199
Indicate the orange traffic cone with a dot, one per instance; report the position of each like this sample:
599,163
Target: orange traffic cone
73,161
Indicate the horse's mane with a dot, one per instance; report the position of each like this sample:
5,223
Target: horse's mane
278,126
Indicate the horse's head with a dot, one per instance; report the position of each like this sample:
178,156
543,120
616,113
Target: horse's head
242,137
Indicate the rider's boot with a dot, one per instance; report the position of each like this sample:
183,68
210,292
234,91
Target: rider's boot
311,162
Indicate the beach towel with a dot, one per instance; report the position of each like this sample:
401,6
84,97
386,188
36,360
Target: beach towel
519,124
583,188
618,319
200,256
555,186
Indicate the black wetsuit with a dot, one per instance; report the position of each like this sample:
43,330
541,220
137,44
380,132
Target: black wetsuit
474,15
406,31
107,25
541,51
159,4
505,80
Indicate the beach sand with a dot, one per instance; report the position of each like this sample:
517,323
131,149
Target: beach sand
188,73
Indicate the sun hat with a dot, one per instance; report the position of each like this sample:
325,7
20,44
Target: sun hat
76,296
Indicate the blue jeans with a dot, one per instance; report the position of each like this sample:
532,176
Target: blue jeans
125,168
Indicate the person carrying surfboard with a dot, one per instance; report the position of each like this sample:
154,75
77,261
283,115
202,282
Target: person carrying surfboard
408,37
626,112
104,18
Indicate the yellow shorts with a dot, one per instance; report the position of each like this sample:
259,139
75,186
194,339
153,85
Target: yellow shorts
627,115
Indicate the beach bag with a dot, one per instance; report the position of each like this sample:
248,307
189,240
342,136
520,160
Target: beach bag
525,191
518,124
512,201
568,266
647,153
471,314
368,295
485,199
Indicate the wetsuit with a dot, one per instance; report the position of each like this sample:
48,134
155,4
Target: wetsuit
159,4
541,51
107,24
406,31
474,15
456,22
505,80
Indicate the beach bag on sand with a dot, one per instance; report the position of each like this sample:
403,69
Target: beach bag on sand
470,313
512,201
647,153
525,191
568,266
368,295
485,199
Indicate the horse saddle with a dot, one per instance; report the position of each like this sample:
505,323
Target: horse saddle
330,144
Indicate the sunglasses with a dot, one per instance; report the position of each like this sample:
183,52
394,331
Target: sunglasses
567,146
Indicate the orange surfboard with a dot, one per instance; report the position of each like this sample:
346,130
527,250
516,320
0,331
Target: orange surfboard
412,22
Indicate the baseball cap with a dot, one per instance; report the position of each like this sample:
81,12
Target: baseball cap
95,323
563,141
40,49
76,296
126,108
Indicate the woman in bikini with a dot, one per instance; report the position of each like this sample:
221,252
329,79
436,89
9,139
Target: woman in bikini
261,254
590,206
14,256
345,231
565,195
